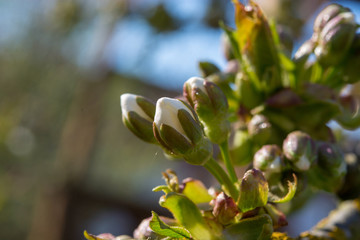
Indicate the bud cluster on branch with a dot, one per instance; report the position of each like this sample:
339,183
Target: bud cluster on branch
265,111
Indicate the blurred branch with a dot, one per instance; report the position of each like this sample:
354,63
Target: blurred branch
76,142
342,223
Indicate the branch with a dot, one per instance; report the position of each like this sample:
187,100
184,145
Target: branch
342,223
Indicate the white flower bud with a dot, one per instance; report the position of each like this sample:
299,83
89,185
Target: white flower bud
210,104
178,130
128,103
167,113
137,115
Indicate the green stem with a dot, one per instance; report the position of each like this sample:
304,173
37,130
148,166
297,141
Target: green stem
213,171
224,149
219,172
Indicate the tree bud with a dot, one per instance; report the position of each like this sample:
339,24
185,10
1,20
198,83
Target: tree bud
299,148
328,174
259,129
327,14
350,112
177,129
254,191
331,157
137,115
269,159
335,39
211,106
225,208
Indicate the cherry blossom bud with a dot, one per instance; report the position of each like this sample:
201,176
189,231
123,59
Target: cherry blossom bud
254,191
300,149
225,208
335,39
269,158
137,115
327,14
329,171
259,129
178,130
331,157
211,106
350,114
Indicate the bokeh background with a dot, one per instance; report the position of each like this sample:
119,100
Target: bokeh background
67,163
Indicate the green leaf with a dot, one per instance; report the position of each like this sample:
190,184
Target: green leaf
291,193
254,191
161,228
255,228
163,188
196,192
188,215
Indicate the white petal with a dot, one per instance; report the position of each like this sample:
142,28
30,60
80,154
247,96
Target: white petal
128,103
196,82
303,163
166,113
275,166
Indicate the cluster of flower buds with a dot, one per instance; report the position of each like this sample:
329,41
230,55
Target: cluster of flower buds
322,162
299,150
182,130
172,123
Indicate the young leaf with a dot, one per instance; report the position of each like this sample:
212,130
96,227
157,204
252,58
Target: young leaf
161,228
188,215
163,188
90,236
257,44
196,191
255,228
288,196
